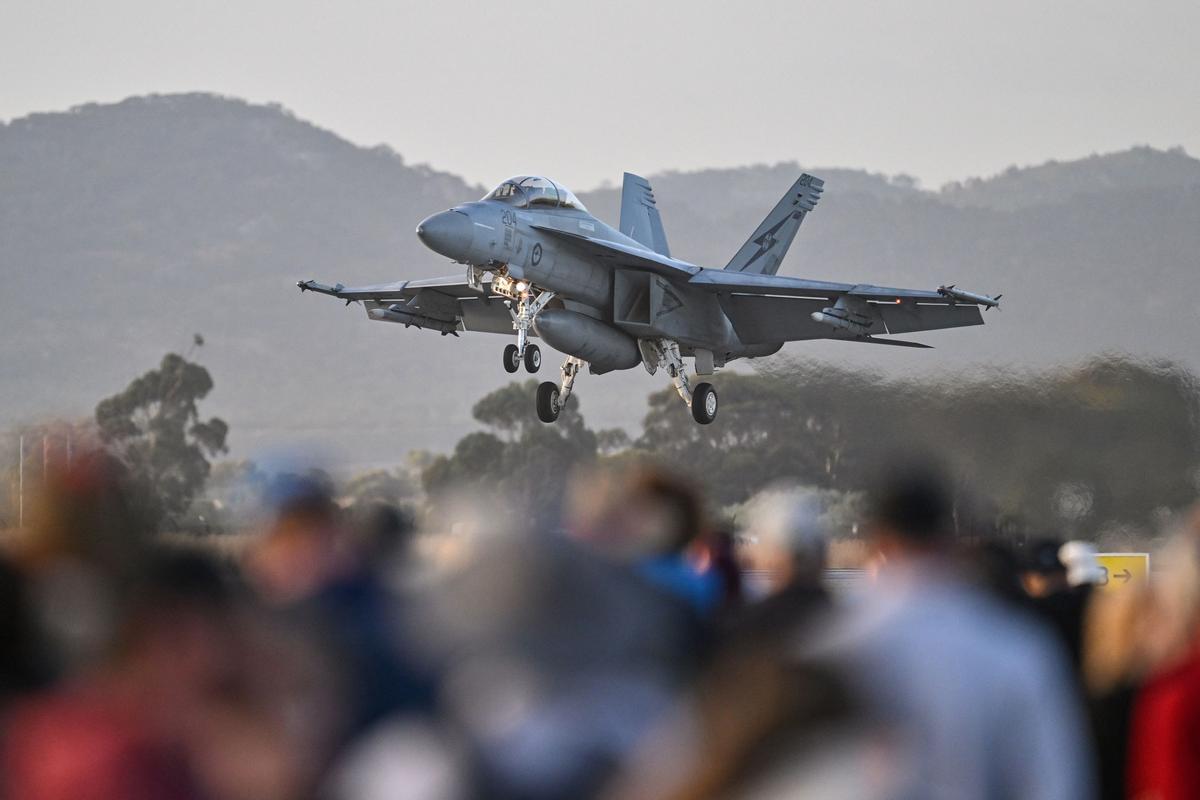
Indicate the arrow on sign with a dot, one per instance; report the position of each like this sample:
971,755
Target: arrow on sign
1124,575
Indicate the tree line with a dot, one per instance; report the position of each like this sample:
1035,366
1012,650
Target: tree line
1110,447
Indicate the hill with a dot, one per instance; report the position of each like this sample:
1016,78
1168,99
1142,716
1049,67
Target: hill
125,228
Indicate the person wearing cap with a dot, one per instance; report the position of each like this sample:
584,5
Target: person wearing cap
1060,592
1082,566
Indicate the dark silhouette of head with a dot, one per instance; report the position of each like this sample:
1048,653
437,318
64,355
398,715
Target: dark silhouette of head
911,508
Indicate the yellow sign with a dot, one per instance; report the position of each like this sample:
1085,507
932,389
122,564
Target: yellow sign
1123,569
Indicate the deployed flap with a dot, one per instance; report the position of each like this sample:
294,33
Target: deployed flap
766,247
721,281
640,219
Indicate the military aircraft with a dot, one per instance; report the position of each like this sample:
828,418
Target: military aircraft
538,264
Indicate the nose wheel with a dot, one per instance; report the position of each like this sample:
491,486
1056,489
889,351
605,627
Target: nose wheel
512,358
533,358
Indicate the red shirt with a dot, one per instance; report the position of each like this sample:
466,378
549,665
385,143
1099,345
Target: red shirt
1164,749
81,745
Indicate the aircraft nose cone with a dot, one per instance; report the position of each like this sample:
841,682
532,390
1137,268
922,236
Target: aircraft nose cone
448,233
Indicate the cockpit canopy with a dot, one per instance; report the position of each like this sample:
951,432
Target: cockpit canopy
524,191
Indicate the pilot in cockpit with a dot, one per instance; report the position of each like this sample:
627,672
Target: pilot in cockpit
531,190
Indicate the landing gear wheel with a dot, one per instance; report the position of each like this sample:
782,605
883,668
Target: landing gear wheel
512,361
533,358
547,402
704,403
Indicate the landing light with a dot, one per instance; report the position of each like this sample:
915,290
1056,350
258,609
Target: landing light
522,286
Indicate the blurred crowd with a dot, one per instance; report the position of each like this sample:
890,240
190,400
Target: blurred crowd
634,650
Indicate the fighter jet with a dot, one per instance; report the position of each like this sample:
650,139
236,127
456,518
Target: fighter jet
538,264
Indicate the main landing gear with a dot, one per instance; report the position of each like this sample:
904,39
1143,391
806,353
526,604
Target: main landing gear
704,403
665,353
702,400
552,397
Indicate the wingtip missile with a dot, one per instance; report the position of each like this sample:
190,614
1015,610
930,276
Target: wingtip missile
960,295
320,288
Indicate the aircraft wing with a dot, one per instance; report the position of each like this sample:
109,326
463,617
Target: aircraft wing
766,308
620,255
447,305
454,286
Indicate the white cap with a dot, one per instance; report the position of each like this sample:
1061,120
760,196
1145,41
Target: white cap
1080,560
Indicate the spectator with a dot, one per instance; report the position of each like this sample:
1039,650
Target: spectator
786,546
130,728
1114,665
759,709
1060,595
1165,739
309,566
654,518
971,699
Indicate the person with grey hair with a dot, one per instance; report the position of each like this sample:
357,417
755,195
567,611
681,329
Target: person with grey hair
786,541
784,547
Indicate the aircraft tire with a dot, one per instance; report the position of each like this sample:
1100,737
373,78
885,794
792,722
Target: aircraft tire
511,362
533,358
547,402
704,403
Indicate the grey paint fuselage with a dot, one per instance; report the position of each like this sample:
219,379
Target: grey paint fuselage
500,234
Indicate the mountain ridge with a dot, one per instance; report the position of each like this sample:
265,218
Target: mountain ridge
125,228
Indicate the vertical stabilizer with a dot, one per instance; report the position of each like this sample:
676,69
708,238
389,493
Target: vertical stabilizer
764,250
640,220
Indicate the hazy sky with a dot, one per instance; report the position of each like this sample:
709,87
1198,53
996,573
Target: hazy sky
583,91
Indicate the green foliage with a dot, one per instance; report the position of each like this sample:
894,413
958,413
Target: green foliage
392,487
1113,442
154,427
520,459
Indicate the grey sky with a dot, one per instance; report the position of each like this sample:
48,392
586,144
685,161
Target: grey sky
941,90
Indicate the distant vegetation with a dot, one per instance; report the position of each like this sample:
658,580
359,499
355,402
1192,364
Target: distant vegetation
155,429
1106,450
1109,449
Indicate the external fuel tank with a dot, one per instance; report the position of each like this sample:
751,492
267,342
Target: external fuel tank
604,347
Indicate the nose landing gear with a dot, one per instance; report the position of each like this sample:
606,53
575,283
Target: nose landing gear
529,303
513,358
